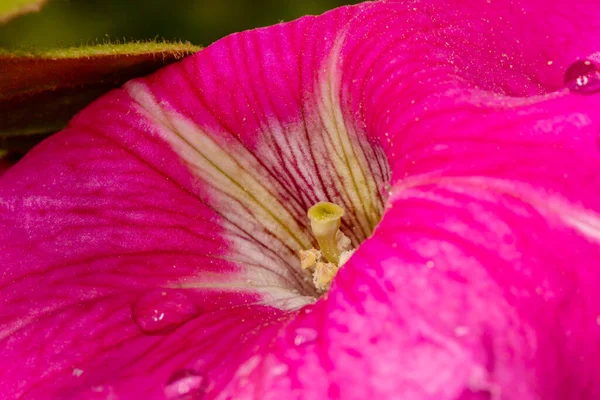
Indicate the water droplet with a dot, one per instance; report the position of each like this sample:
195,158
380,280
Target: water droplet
461,331
185,384
278,369
305,336
386,190
96,392
163,310
583,76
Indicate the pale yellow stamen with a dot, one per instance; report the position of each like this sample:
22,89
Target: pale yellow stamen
343,242
324,273
325,219
308,259
345,256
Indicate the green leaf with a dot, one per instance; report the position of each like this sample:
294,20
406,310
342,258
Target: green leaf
40,92
12,8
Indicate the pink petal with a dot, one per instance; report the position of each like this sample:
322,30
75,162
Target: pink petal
128,251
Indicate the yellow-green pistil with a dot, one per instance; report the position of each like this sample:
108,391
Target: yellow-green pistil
325,219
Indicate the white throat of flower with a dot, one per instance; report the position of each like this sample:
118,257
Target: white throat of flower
324,263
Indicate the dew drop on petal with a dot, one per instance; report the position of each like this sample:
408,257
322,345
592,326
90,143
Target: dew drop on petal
163,310
583,76
97,392
184,384
461,331
278,370
386,191
305,336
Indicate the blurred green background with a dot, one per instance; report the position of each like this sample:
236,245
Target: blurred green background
64,23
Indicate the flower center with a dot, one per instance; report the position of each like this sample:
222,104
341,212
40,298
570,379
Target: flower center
323,264
256,170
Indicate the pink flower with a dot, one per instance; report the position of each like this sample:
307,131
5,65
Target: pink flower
149,250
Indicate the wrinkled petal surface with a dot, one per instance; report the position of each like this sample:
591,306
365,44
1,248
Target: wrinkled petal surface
149,249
